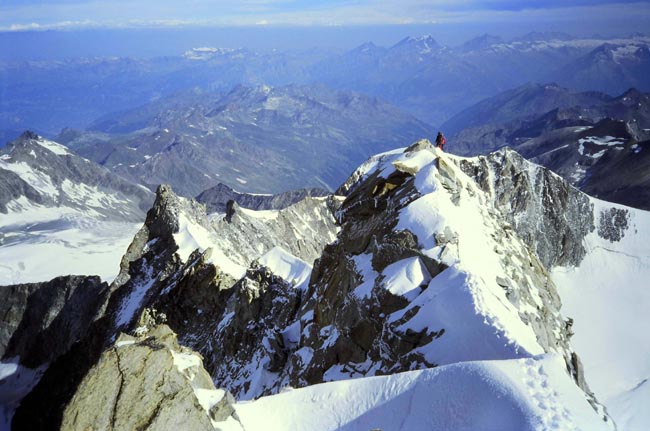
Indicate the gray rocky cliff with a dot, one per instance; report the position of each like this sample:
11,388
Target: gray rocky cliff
149,260
148,382
346,329
40,321
550,215
263,334
154,276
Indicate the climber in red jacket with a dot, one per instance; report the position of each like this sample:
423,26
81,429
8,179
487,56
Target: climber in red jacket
440,141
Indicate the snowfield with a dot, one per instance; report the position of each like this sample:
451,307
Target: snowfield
608,296
78,219
38,243
514,395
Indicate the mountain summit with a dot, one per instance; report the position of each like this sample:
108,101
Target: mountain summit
432,273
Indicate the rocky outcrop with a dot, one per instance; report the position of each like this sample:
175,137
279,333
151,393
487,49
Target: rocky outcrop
147,382
262,333
145,268
40,321
549,215
154,276
613,223
240,329
359,325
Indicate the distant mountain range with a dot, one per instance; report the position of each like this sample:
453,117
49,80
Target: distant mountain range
54,200
417,74
255,139
598,143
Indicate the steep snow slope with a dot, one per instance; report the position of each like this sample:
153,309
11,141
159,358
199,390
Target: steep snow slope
514,395
600,260
608,296
62,214
482,290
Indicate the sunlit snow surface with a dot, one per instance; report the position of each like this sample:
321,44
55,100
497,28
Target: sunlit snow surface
464,300
608,296
74,228
39,243
287,266
513,395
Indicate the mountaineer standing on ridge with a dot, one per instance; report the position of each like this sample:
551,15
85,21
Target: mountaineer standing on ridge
440,141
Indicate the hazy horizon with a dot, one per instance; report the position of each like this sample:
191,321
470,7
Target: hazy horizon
58,29
157,42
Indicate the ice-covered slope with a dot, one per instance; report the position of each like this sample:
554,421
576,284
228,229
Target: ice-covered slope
514,395
608,296
62,214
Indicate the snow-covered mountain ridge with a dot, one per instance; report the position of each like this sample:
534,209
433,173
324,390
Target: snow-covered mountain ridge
439,262
54,203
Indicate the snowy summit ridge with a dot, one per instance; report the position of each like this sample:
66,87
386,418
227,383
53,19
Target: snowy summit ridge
435,279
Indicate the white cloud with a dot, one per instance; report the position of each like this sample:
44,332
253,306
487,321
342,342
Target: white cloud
167,13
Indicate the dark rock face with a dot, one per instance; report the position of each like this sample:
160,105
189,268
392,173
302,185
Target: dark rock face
237,327
42,320
346,329
613,223
548,214
148,263
263,326
216,198
153,277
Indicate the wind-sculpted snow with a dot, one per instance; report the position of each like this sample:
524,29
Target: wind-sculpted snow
488,297
515,395
597,253
424,272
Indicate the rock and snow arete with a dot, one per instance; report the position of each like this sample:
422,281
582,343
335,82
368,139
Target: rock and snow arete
424,299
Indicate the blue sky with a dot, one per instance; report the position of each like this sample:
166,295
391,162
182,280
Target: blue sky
65,14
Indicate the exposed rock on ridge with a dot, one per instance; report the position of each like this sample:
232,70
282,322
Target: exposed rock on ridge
151,383
153,275
547,213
